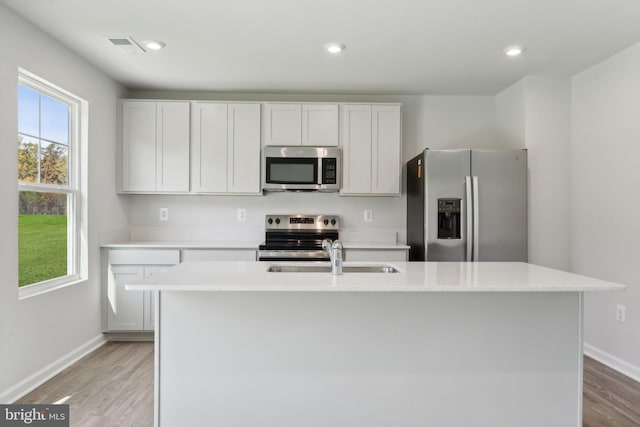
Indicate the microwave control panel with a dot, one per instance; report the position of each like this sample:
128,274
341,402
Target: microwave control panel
329,170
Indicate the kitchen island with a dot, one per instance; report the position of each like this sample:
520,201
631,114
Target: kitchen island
433,344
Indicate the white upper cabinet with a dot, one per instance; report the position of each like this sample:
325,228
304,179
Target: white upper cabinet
243,158
320,125
356,149
371,149
386,148
208,147
225,148
138,166
300,124
155,147
214,147
172,156
282,124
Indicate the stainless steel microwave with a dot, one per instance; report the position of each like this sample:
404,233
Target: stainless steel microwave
301,169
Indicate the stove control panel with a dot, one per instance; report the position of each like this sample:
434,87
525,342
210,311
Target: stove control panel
301,222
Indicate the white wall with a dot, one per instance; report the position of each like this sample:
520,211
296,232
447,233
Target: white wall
38,334
511,115
535,113
605,205
548,135
427,121
454,122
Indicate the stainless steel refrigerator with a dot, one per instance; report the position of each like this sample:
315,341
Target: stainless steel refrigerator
467,205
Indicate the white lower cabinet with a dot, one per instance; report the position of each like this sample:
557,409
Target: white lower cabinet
124,309
133,310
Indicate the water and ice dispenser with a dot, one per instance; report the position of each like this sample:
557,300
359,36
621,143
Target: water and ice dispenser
449,217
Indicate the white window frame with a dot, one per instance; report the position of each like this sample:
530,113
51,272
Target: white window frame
75,189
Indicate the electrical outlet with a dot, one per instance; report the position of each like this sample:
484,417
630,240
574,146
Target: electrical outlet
164,214
368,215
621,313
242,215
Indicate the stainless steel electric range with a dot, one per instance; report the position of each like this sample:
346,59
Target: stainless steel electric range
297,237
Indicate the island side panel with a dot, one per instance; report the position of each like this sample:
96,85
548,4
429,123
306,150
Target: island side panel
370,359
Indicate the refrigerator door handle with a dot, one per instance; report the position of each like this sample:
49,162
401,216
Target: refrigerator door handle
476,220
469,215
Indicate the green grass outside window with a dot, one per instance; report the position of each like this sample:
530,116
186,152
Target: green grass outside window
42,248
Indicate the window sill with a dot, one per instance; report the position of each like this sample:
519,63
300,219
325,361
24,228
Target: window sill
48,286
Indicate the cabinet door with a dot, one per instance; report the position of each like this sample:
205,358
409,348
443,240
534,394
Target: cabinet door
149,312
320,125
125,308
356,149
138,167
209,148
172,153
386,149
243,167
283,124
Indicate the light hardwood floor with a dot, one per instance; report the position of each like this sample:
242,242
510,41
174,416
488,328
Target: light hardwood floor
609,398
113,386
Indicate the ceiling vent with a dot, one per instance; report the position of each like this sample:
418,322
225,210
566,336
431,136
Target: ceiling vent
126,44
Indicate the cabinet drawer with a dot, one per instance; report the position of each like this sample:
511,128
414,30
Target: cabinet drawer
144,256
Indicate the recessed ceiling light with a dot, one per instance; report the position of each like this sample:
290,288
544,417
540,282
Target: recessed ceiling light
154,44
513,50
334,47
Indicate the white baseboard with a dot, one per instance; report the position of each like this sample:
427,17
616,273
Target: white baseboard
45,374
613,362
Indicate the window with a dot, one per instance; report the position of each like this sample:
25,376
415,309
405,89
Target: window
48,185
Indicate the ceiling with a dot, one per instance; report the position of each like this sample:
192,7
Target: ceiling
393,46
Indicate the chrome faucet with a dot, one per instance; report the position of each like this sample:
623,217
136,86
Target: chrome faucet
334,249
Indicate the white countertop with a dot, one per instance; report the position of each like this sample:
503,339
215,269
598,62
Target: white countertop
374,245
412,277
187,244
204,244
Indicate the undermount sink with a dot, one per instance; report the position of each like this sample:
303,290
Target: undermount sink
275,268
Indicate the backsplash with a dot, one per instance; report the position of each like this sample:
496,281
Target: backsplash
215,217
